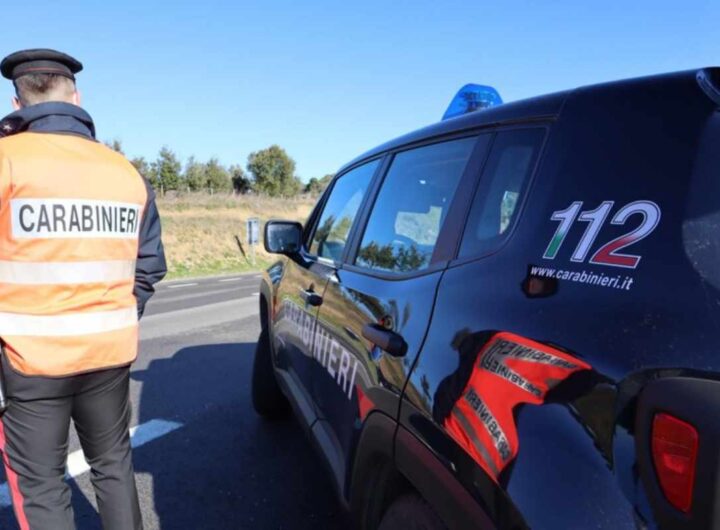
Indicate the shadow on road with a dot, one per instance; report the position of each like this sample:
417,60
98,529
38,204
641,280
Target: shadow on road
226,467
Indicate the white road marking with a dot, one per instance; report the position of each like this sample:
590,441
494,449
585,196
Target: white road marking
76,464
256,294
231,279
182,321
176,285
166,298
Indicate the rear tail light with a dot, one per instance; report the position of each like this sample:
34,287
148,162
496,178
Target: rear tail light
674,451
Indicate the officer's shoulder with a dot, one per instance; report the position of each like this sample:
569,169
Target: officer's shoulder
120,161
116,157
12,144
8,139
3,148
11,149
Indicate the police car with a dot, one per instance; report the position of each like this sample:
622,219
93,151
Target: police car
511,318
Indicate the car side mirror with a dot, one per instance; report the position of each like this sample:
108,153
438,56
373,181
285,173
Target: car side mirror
283,237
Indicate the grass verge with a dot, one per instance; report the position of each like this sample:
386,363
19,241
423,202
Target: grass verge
200,230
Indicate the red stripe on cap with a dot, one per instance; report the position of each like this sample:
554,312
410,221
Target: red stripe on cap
12,478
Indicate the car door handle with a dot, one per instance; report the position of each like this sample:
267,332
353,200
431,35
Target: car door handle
350,333
387,340
311,297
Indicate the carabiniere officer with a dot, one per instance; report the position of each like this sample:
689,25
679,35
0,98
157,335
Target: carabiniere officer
76,269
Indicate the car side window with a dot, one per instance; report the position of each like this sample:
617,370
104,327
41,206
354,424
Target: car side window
502,185
411,206
338,214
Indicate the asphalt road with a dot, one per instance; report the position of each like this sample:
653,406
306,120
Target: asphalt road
203,458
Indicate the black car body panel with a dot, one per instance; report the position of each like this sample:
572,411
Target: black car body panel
597,282
524,111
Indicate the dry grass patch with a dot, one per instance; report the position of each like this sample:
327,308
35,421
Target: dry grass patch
199,230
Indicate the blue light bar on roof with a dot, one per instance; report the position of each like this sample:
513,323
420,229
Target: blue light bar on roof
471,98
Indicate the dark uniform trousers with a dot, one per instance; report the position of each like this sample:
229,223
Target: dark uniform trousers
34,441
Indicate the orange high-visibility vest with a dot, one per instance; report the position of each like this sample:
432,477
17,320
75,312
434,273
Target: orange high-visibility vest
70,212
510,370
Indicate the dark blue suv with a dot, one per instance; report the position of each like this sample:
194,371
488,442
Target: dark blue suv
511,318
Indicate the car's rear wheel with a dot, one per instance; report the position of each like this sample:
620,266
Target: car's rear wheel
268,399
410,512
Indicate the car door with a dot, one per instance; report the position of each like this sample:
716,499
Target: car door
300,292
483,365
376,308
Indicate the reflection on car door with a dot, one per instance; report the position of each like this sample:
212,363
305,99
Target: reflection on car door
301,290
384,295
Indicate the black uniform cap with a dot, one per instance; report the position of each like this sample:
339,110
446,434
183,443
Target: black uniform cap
39,61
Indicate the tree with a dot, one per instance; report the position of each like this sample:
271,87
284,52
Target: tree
388,257
295,186
273,172
142,166
115,145
167,167
146,170
216,176
313,186
241,184
194,177
317,186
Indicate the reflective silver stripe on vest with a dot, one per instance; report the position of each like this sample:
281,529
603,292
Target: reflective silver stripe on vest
479,447
14,324
34,273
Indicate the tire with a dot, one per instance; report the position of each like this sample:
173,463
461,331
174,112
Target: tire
410,512
268,399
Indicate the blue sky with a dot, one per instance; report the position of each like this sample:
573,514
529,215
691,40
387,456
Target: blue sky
329,80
